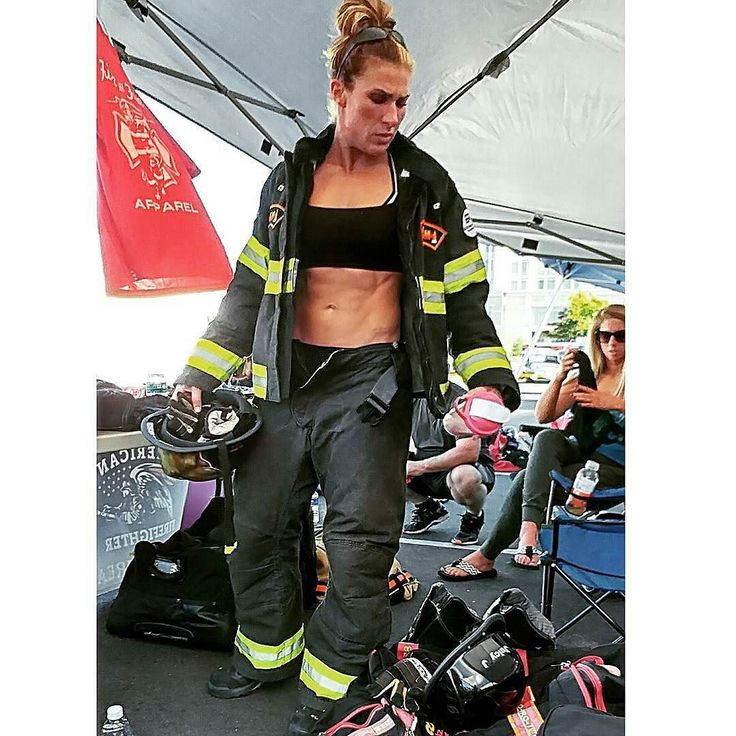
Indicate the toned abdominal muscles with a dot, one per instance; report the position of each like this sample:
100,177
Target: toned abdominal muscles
347,307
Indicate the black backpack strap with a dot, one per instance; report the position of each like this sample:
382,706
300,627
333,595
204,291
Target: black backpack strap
227,481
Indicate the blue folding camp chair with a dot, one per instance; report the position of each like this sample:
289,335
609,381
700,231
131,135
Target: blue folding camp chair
584,552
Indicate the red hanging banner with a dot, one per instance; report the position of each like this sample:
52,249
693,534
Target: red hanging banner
155,234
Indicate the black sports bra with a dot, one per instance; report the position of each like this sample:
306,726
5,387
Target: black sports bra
356,237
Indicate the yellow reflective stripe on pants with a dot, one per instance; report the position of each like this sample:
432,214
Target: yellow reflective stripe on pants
433,296
460,272
268,656
255,257
469,363
213,359
273,279
322,680
260,380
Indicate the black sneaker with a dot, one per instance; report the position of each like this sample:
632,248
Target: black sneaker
425,516
227,682
304,721
470,526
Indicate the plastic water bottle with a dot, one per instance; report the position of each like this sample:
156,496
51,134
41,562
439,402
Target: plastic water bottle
116,723
315,509
582,488
156,384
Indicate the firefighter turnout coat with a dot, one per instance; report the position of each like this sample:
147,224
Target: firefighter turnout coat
444,290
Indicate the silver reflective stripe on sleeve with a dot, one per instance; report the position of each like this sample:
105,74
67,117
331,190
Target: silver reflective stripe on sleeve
469,363
460,272
213,359
255,257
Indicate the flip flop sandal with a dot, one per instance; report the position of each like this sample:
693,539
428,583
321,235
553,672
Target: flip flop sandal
473,573
528,552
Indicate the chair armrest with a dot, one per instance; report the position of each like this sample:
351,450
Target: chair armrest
610,494
561,480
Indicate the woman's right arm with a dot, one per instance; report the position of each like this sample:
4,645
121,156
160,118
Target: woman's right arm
558,396
229,337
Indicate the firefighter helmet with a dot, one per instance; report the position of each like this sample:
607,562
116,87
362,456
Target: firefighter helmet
223,426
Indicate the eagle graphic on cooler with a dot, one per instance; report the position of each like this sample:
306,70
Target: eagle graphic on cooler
143,148
135,494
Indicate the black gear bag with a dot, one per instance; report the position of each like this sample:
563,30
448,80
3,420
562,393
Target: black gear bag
179,590
576,720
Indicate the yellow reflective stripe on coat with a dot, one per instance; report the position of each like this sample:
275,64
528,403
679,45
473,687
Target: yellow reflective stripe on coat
468,364
321,679
268,656
213,359
260,379
291,272
433,296
255,257
273,279
460,272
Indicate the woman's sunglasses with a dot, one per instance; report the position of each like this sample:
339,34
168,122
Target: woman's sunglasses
374,33
605,336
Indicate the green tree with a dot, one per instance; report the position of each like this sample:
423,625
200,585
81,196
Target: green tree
576,318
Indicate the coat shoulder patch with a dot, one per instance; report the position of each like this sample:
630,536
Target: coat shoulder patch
275,215
431,235
468,225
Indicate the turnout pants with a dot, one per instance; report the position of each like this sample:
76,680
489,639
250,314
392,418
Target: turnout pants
317,436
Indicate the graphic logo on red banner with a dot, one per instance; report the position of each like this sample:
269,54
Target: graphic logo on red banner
143,147
431,235
155,235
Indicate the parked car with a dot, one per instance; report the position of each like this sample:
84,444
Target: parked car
540,367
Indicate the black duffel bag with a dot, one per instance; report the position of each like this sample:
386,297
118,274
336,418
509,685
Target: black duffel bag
576,720
120,411
179,590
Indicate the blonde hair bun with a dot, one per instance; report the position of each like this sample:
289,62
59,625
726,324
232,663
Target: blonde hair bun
354,15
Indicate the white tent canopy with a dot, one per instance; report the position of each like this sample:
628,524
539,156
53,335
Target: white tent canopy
537,149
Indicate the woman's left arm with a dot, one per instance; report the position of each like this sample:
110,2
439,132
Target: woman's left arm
479,356
596,399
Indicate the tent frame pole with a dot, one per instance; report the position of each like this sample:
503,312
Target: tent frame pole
542,325
493,68
126,58
218,85
611,259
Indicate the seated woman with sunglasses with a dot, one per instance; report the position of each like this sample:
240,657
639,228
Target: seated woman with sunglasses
555,450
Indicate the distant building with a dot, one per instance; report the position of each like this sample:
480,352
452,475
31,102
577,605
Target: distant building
521,288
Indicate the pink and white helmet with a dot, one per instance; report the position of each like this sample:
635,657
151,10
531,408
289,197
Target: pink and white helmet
481,414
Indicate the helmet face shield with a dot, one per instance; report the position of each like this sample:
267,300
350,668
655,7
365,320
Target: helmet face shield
490,666
480,685
187,465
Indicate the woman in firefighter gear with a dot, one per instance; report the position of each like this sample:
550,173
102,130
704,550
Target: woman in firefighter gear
362,261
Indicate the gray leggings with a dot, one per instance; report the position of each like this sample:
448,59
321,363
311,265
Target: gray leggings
527,497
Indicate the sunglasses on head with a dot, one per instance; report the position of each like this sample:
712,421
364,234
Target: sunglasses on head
605,336
367,35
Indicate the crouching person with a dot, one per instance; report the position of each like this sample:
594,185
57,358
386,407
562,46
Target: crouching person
441,467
